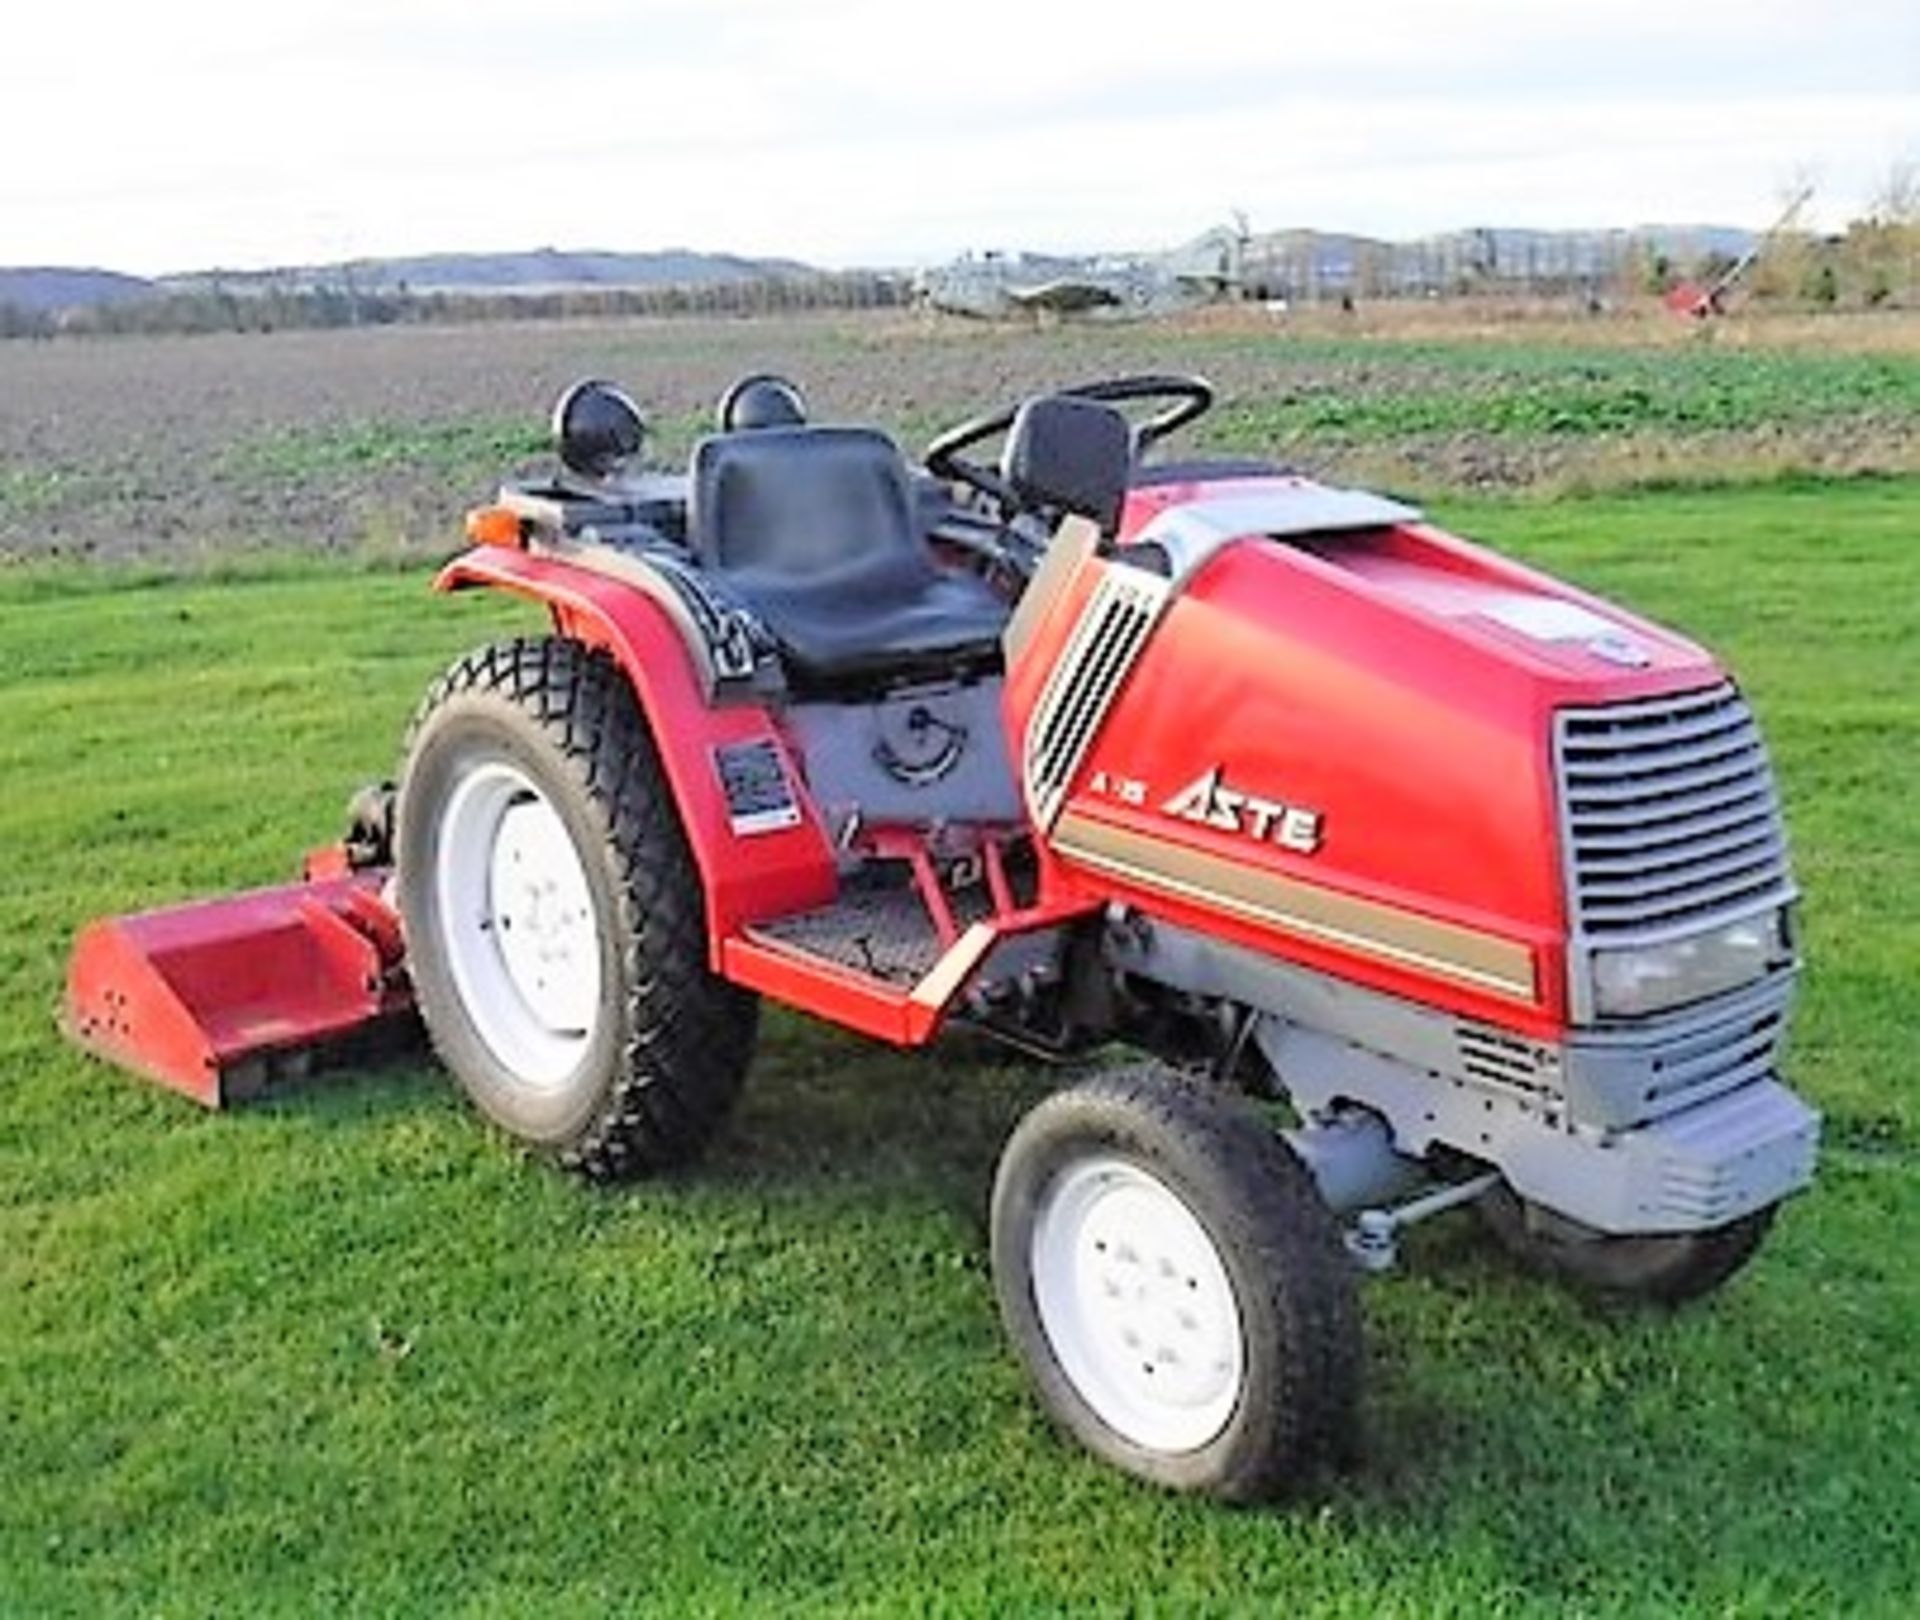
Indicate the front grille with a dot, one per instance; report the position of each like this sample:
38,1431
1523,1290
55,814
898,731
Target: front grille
1716,1060
1670,813
1112,631
1619,1078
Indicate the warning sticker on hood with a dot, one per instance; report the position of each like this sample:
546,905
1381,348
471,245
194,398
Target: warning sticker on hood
1548,618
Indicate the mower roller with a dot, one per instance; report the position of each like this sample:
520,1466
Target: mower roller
1416,879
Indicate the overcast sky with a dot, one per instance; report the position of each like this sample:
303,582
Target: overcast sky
164,136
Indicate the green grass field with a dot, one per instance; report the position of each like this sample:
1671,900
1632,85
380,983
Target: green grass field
349,1352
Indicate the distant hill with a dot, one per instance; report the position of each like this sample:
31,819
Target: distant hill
48,289
540,270
1276,259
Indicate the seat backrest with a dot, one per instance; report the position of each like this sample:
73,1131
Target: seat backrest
802,502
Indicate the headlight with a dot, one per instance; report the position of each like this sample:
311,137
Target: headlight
1652,978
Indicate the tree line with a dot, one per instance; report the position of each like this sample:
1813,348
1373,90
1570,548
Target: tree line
213,306
1875,263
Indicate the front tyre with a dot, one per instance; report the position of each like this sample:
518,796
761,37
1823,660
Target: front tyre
1654,1269
555,929
1175,1287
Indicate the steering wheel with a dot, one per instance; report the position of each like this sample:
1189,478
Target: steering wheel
1186,398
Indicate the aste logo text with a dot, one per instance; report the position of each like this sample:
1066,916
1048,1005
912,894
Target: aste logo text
1210,802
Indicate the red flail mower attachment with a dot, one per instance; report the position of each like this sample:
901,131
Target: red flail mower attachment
214,997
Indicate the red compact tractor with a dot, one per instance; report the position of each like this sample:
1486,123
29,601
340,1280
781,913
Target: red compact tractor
1416,878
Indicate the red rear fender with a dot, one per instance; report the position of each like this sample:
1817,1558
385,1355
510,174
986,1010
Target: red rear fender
753,865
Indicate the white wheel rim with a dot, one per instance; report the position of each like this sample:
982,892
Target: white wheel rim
1135,1302
518,924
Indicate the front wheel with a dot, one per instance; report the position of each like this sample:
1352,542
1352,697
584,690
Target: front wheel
1175,1287
554,920
1656,1269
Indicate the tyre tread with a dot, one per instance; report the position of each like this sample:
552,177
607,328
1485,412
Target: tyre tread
688,1035
1667,1270
1268,1201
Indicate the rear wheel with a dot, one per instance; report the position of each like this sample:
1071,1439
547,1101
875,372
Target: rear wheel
1175,1286
553,916
1656,1269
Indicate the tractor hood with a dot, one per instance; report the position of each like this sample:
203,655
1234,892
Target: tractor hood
1394,560
1336,727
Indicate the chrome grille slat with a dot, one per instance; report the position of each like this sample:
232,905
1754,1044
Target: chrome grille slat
1694,804
1634,788
1709,731
1656,712
1670,906
1752,810
1656,877
1669,813
1616,868
1719,720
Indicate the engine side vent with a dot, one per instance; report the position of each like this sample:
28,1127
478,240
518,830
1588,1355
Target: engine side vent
1499,1059
1102,649
1670,813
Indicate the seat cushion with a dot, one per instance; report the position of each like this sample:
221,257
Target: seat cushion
854,627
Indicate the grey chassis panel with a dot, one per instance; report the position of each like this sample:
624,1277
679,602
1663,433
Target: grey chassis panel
867,757
1332,1043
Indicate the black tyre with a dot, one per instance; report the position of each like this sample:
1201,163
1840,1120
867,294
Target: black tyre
554,921
1663,1269
1175,1287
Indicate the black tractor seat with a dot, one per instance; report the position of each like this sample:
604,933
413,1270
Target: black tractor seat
816,529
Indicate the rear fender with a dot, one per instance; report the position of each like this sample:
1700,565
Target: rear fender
755,862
